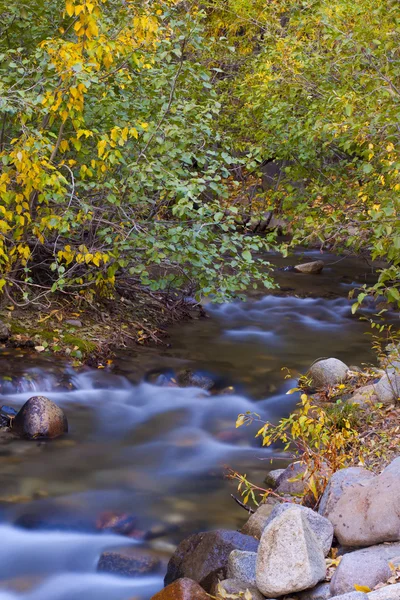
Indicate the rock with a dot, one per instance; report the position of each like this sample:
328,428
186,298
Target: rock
363,396
328,372
296,471
235,588
128,561
290,557
189,378
272,478
338,483
117,522
389,592
182,589
255,525
242,566
351,596
388,388
40,418
322,591
4,332
74,322
368,566
322,527
313,267
368,512
203,557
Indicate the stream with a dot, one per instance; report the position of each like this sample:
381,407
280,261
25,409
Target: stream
158,454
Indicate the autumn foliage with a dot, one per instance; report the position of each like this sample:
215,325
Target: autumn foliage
130,131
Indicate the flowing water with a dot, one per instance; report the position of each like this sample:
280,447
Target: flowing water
158,453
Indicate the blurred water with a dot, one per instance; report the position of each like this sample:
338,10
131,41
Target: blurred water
158,453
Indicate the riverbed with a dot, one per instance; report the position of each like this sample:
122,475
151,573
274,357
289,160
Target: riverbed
159,454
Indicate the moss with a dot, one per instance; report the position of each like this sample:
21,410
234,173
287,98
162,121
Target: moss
83,345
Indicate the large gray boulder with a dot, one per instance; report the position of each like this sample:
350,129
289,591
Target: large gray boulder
255,524
338,483
242,566
328,372
290,557
368,512
368,566
203,557
322,527
389,592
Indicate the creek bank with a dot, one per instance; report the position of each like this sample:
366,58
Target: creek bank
91,334
347,547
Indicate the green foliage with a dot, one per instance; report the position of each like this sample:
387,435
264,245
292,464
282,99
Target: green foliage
116,176
323,439
317,85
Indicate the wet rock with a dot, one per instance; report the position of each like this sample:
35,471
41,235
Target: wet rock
182,589
321,526
389,592
7,414
122,523
242,566
4,332
368,512
368,566
338,483
40,418
255,525
203,557
235,589
328,372
290,557
272,478
313,267
189,378
162,379
322,591
388,388
130,562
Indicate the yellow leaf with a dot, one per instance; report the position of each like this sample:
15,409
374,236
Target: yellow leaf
101,146
69,7
362,588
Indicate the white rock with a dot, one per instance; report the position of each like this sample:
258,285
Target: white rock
322,527
290,557
328,372
389,592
